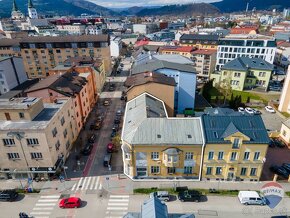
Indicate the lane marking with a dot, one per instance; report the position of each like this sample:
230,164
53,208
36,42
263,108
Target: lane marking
50,196
43,208
39,213
92,183
117,208
100,187
118,204
47,200
43,204
119,196
79,183
84,183
89,180
74,186
118,200
97,182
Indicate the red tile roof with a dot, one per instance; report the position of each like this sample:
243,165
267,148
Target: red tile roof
204,51
178,48
243,30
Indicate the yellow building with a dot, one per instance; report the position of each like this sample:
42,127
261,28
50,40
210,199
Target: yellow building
285,132
178,50
156,146
236,146
9,47
156,84
43,53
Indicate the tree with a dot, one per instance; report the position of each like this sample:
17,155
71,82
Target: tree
117,141
225,88
206,90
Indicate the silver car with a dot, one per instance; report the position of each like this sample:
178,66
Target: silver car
161,195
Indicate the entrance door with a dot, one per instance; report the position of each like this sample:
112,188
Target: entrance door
230,176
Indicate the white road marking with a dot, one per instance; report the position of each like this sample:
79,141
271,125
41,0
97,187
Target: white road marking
92,183
84,183
43,208
97,182
39,213
118,200
117,204
79,183
100,187
119,196
117,208
47,200
43,204
50,196
74,186
88,183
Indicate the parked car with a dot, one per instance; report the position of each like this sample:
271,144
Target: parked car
110,147
92,138
272,143
111,88
71,202
8,195
113,134
256,112
189,195
107,160
241,109
88,149
116,127
275,88
286,166
117,121
251,198
161,195
279,143
270,109
119,113
249,110
279,171
106,103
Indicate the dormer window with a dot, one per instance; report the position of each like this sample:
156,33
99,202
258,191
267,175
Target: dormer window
236,143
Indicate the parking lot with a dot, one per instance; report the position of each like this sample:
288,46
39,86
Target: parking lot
272,121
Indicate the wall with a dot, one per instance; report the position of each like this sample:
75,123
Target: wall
284,105
285,133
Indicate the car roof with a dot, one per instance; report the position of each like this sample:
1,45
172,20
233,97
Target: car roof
72,199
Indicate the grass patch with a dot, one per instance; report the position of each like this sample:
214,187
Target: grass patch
287,193
246,95
23,191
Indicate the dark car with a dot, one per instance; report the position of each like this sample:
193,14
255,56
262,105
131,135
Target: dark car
117,121
113,134
116,127
8,195
279,171
279,143
87,150
92,138
272,143
111,88
286,166
189,195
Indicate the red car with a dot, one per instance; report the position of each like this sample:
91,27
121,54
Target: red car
110,148
72,202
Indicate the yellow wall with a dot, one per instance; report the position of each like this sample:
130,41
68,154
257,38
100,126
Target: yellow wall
285,133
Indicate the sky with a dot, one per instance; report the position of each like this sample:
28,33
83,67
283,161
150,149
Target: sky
131,3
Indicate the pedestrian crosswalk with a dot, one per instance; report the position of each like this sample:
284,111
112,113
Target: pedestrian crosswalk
87,183
44,206
117,206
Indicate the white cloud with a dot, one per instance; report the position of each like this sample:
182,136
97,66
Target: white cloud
131,3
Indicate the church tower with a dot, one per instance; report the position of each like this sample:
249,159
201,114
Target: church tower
32,13
15,13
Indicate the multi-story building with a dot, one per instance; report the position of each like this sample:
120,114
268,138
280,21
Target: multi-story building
73,29
184,76
285,132
253,46
42,53
199,41
204,62
284,103
244,73
158,147
12,73
156,84
35,137
9,47
115,46
236,146
145,28
282,56
179,50
67,85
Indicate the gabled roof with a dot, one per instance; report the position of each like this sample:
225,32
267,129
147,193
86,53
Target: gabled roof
230,130
153,65
199,37
246,63
154,208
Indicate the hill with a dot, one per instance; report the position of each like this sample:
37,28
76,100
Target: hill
177,10
240,5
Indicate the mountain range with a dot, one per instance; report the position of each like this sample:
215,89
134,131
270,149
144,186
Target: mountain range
77,7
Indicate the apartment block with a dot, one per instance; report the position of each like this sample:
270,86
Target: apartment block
67,85
35,137
284,103
252,46
204,62
43,53
245,73
9,47
12,73
177,50
236,145
199,41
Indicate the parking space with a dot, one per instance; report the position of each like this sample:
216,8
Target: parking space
272,121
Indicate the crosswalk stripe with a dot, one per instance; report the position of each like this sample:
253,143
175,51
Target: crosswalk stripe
116,213
100,186
43,208
92,183
79,183
119,196
97,182
47,200
41,216
74,186
39,213
43,204
89,180
117,208
50,196
84,183
118,204
118,200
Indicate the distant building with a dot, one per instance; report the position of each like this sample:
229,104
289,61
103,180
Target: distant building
145,28
284,103
282,56
161,36
74,29
32,13
35,137
286,13
9,47
12,73
199,41
245,73
244,30
115,46
177,50
16,13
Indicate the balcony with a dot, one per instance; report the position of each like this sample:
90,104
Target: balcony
171,157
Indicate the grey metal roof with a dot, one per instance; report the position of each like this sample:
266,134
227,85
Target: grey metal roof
199,37
174,58
146,122
154,65
217,127
246,63
154,208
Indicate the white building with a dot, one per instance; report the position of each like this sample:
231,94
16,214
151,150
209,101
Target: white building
32,13
74,29
145,28
93,30
16,13
12,73
115,46
286,12
234,46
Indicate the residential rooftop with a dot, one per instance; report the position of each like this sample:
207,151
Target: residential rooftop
204,52
246,63
199,37
248,36
18,103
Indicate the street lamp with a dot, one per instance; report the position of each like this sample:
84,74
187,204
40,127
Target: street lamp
19,136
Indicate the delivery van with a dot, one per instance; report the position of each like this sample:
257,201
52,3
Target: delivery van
251,198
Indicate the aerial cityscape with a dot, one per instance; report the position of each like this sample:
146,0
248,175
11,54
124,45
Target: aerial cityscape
145,109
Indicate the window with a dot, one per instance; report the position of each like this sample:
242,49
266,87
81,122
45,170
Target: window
221,155
253,172
218,171
32,141
54,132
208,170
127,156
57,51
284,133
233,156
237,75
65,133
62,121
236,143
155,169
210,155
155,155
13,155
57,144
246,155
170,170
188,155
257,155
187,170
36,155
8,141
21,115
243,171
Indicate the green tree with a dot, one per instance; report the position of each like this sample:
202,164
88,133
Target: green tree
225,88
117,141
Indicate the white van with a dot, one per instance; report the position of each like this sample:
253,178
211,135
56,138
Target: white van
251,198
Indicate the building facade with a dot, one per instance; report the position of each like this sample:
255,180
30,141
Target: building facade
252,46
115,46
42,53
9,47
285,132
35,137
199,41
284,103
177,50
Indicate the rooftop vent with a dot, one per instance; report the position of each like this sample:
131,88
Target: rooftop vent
189,136
159,136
